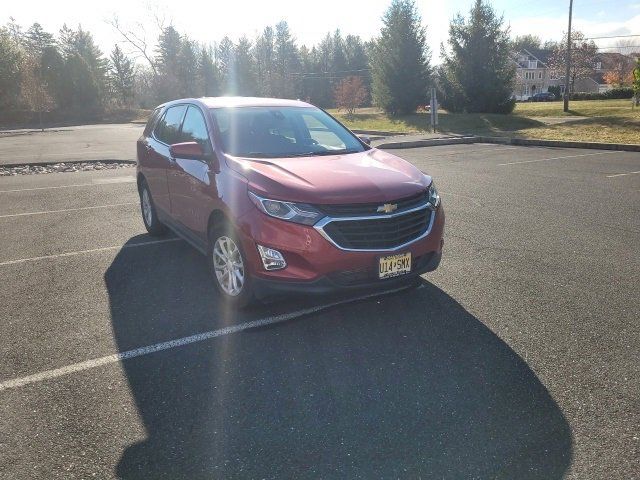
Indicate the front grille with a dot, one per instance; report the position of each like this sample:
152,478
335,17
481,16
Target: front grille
379,233
356,209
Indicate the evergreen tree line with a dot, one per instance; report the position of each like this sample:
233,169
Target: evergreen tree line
40,71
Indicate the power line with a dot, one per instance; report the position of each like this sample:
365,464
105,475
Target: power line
612,36
619,48
330,73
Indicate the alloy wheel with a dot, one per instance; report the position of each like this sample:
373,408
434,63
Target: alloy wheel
147,211
228,265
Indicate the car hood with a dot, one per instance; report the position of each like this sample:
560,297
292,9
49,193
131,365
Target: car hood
370,176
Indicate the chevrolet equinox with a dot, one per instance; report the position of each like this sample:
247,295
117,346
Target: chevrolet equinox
282,198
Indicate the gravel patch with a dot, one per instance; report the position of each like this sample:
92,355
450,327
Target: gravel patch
62,167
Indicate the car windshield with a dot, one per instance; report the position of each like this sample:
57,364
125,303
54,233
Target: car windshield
271,132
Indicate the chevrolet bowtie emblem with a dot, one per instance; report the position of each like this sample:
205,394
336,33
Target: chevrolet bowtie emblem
388,207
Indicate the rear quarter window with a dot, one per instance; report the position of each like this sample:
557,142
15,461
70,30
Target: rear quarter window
153,118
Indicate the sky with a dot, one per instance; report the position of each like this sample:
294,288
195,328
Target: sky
208,21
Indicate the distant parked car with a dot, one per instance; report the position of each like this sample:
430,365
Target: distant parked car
542,97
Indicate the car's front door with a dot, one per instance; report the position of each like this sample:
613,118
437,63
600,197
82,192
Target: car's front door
165,133
190,180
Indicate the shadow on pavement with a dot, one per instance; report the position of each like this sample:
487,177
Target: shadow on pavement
406,385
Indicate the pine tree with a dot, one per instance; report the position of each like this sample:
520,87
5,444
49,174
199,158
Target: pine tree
85,71
477,73
121,76
286,61
187,69
225,53
264,54
209,83
400,63
167,61
37,40
245,68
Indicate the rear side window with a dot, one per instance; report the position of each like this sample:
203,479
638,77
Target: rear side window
168,128
152,121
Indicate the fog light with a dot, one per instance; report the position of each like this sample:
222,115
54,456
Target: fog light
271,259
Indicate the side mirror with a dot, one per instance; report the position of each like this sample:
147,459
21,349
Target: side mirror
188,150
366,139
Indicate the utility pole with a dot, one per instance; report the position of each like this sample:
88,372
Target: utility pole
568,71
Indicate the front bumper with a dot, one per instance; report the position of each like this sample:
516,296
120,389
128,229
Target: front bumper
342,281
314,265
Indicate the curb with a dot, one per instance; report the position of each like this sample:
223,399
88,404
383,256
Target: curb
626,147
432,142
68,162
525,142
382,133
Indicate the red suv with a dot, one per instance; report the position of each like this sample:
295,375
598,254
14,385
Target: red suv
282,198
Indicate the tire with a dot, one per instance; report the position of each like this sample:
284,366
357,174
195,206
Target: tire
234,290
149,214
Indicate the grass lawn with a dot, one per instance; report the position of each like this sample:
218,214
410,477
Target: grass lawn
588,120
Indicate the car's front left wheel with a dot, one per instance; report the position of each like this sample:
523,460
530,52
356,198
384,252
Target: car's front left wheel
228,266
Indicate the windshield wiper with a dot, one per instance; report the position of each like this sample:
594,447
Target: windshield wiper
259,155
342,151
299,154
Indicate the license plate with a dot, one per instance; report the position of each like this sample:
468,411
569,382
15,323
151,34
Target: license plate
394,265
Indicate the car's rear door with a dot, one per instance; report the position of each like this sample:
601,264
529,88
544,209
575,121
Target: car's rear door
165,133
190,180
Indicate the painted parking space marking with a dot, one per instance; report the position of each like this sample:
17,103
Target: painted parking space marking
179,342
622,174
65,210
558,158
99,181
93,250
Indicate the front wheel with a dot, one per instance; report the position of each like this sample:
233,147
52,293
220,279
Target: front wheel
228,266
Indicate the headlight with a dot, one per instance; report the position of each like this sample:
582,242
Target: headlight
434,198
292,212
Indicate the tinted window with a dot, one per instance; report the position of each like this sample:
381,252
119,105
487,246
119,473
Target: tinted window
168,128
194,128
152,121
282,132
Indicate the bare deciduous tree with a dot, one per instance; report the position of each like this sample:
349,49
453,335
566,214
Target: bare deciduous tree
137,41
583,56
33,88
350,94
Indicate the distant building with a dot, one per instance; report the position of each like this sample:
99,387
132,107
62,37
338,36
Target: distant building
533,74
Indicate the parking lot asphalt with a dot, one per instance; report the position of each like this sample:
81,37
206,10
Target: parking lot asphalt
518,358
84,142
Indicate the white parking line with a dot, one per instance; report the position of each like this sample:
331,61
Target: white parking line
461,152
179,342
622,174
102,181
44,212
557,158
93,250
